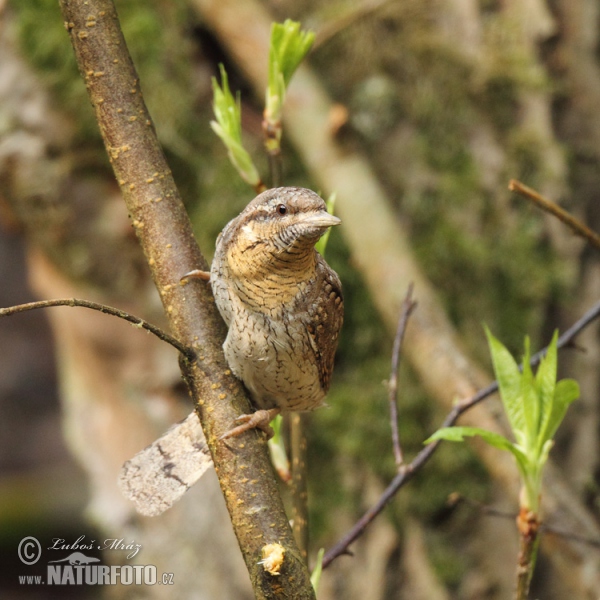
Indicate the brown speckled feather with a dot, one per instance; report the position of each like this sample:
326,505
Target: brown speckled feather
280,299
324,319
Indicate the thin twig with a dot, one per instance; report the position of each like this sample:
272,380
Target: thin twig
555,210
407,307
299,452
103,308
490,511
455,499
408,471
358,15
575,537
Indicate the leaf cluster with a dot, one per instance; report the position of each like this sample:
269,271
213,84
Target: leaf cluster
289,45
535,406
228,126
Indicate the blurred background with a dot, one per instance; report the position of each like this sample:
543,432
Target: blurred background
443,103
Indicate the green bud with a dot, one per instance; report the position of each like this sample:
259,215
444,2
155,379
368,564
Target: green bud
228,126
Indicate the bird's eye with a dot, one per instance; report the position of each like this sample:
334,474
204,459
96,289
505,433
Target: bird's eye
281,209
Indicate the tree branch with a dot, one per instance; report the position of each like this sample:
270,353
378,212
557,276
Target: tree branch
408,471
165,234
555,210
454,499
103,308
407,307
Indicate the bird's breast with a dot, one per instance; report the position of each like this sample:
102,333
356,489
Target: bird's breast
268,281
275,360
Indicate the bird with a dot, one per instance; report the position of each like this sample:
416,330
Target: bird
282,303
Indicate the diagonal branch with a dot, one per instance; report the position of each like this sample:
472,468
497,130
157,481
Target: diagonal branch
555,210
408,471
165,234
491,511
103,308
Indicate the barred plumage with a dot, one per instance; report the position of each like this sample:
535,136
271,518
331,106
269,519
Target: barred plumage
280,299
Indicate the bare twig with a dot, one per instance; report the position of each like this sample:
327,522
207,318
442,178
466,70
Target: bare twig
339,24
569,535
299,454
454,499
103,308
408,471
407,307
554,209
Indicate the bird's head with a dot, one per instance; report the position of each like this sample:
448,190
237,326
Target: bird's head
276,231
284,219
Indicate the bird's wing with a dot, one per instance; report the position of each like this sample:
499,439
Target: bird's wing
324,319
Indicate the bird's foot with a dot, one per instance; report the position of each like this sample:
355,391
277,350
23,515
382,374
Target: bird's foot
258,420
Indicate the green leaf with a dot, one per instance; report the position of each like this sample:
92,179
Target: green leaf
289,45
509,381
228,126
546,447
226,107
567,391
529,398
315,576
545,383
277,450
457,434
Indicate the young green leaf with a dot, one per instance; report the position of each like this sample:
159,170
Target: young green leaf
545,384
509,382
277,450
228,126
289,45
545,378
458,434
529,399
567,391
545,452
315,576
535,406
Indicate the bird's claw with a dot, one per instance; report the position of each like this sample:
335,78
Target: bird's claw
197,274
258,420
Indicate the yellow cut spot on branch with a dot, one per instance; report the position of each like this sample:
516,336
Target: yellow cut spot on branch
272,558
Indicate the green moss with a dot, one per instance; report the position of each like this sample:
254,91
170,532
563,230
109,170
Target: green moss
46,44
156,34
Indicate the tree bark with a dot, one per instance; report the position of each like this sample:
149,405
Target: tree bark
165,234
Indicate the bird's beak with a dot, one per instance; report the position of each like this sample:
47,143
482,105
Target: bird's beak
319,219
